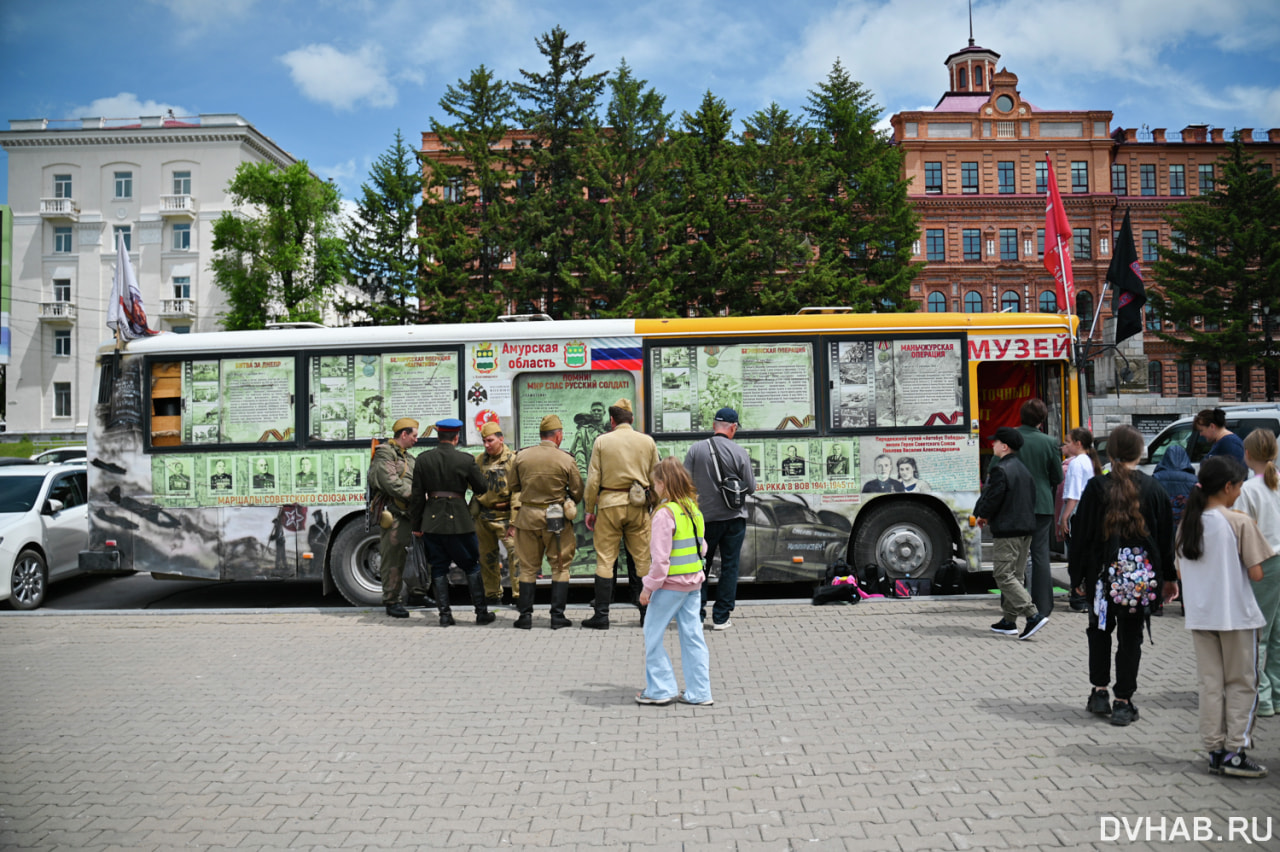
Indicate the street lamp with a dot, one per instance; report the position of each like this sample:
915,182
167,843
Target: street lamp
1268,363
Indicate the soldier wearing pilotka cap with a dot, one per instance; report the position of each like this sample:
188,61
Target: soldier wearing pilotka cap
391,478
493,514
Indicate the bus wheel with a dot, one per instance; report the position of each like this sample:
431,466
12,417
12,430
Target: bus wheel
354,566
902,539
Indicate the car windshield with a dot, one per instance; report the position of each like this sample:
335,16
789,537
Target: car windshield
790,513
19,493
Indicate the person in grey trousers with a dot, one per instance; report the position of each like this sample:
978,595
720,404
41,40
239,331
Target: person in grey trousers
726,528
1042,456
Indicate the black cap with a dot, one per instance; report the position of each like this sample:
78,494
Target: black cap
1008,435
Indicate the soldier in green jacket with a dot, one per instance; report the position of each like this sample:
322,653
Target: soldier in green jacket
441,479
495,508
391,475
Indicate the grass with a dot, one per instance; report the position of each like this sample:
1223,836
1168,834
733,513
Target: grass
26,448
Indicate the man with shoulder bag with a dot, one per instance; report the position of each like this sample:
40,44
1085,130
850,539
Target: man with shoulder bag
721,470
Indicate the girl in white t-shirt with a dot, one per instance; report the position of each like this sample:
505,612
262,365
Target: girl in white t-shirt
1218,552
1260,500
1082,465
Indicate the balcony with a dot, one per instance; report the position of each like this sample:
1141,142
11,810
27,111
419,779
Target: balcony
178,308
178,206
58,311
59,208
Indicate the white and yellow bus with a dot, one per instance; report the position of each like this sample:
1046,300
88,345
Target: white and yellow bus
243,455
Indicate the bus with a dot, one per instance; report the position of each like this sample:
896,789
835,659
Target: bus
243,455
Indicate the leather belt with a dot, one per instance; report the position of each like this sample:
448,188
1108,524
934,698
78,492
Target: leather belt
440,495
628,488
500,506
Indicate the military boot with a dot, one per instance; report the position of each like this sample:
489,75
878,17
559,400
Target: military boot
475,584
441,585
604,593
559,597
525,619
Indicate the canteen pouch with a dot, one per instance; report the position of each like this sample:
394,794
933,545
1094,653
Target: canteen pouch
555,518
637,495
474,506
385,520
570,509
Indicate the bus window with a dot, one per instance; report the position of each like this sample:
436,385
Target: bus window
770,383
360,396
913,382
245,400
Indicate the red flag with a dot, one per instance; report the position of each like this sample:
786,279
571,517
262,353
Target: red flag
1057,243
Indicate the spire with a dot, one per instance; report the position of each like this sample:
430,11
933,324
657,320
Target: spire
971,23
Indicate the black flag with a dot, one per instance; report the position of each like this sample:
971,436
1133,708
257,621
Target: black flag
1129,294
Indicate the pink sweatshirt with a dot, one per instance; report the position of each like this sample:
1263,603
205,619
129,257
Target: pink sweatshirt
663,526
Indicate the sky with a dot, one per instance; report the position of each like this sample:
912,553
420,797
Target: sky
331,81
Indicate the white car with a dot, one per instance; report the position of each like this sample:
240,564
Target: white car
44,524
61,454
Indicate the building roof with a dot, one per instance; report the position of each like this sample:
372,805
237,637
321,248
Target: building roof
965,102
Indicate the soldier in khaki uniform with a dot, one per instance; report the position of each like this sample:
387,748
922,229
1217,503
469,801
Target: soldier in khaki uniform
493,524
622,462
391,475
541,477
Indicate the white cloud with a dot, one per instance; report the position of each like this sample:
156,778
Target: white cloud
327,75
128,105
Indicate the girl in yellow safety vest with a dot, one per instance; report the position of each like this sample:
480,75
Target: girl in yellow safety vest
673,589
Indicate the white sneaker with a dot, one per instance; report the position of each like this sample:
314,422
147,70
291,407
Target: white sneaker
722,626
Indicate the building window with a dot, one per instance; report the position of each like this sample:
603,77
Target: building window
1042,177
1039,243
935,244
124,184
62,343
1008,243
1206,179
937,303
1177,180
181,237
972,244
1243,383
1155,377
62,399
1213,378
182,287
1007,179
122,230
62,289
62,240
1119,179
1079,175
1082,243
969,178
1048,302
1184,378
962,79
1011,301
1153,318
973,302
1178,242
933,178
182,183
62,186
455,189
1147,178
1084,305
1150,239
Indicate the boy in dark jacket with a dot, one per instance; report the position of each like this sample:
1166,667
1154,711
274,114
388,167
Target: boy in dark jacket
1007,503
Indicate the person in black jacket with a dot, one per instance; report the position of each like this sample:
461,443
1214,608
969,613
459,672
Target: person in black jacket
1007,504
1124,505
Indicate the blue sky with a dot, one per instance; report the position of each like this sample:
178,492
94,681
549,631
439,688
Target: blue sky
332,80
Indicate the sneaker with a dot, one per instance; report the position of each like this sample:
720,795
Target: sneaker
641,698
1099,702
1215,761
1005,626
684,700
1123,713
1241,765
1034,623
723,625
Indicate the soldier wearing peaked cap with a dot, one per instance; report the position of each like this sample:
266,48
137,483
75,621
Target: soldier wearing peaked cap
391,477
441,479
493,520
546,486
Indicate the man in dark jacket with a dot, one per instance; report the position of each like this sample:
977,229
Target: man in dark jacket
1007,503
1178,477
1042,456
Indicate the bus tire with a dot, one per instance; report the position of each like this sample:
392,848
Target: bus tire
902,538
354,565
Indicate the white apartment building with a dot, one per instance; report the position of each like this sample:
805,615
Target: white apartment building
75,185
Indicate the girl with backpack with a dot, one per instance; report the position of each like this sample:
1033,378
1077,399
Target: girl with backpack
1123,518
1260,500
672,589
1217,550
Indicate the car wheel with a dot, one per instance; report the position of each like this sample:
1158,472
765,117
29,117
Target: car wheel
902,539
355,565
29,581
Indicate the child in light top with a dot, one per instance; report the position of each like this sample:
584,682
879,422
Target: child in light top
1260,500
1218,551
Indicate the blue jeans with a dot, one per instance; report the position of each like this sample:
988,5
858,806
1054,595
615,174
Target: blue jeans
727,537
659,676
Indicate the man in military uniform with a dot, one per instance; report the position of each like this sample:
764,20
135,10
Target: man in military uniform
541,478
494,520
622,461
441,479
590,426
391,475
